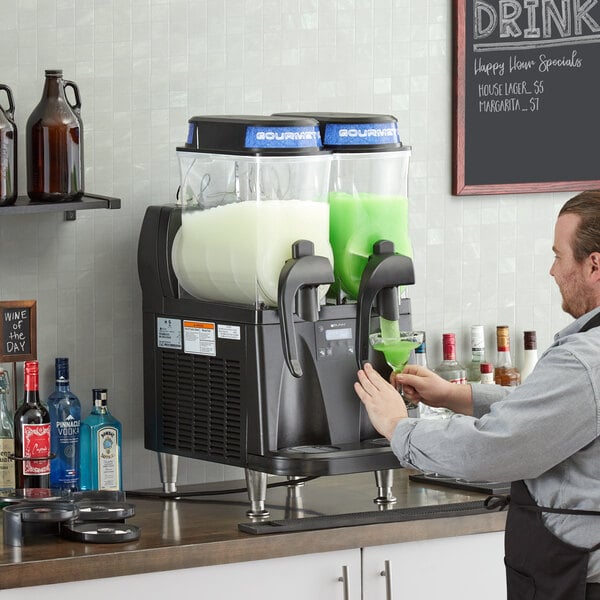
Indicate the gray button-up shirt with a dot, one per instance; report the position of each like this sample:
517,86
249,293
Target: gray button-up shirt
543,431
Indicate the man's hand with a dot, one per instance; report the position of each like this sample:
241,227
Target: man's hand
384,404
419,384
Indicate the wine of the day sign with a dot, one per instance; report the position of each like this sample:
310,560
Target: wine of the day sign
526,88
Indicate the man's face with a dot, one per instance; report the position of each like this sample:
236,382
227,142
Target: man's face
570,275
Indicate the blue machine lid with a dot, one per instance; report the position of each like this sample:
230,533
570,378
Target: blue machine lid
356,132
253,135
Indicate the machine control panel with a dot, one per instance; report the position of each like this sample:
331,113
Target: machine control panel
335,339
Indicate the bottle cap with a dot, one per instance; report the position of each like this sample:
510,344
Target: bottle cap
100,396
486,367
53,72
477,336
530,340
61,368
422,348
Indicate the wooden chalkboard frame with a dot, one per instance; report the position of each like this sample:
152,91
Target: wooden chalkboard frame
460,122
31,307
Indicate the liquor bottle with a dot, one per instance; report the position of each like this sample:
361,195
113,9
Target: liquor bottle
425,411
32,435
55,143
530,353
487,373
450,369
505,373
100,447
477,354
8,151
65,417
7,437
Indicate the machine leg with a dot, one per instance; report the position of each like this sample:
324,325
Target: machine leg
385,482
167,466
256,482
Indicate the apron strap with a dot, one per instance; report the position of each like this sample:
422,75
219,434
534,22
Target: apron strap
593,322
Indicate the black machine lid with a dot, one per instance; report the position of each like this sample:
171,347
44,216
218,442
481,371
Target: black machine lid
356,132
253,135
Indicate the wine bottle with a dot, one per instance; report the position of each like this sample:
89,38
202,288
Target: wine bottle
32,435
7,437
530,353
101,447
505,373
477,354
65,417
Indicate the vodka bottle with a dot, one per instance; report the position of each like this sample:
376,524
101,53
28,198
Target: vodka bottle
505,373
477,354
425,411
32,435
487,373
101,447
65,417
530,353
450,369
7,437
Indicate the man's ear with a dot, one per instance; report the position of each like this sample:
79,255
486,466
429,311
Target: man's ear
594,259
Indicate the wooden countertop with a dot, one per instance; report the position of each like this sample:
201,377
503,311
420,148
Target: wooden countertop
200,532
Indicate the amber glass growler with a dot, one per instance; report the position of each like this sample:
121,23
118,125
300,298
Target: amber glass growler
55,143
8,151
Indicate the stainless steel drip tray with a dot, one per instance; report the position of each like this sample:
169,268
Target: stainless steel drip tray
482,487
326,459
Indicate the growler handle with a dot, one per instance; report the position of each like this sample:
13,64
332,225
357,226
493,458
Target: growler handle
11,105
71,84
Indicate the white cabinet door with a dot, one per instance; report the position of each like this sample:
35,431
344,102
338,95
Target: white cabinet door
468,567
307,577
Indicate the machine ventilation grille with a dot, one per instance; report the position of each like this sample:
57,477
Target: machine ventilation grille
201,406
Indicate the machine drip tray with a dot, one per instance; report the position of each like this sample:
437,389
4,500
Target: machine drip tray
482,487
309,449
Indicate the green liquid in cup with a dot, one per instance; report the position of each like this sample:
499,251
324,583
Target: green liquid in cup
396,352
356,222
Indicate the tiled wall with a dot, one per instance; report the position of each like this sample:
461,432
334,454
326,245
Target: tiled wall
145,66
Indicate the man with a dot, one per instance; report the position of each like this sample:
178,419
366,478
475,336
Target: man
541,435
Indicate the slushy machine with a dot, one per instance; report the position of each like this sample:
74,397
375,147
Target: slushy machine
260,287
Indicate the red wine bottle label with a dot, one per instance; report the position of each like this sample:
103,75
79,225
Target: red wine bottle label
36,444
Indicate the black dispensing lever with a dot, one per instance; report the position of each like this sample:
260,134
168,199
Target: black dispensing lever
384,272
299,282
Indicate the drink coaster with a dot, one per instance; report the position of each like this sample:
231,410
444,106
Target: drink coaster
90,510
27,521
38,512
100,533
12,496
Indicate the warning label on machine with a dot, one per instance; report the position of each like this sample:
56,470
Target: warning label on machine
199,338
168,333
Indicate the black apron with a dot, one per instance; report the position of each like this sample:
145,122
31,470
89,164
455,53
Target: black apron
540,566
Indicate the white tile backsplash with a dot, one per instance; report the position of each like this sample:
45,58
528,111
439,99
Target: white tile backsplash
144,67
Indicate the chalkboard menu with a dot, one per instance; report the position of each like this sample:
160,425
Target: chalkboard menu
18,331
526,96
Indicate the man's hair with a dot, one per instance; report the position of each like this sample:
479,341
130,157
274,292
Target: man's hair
586,238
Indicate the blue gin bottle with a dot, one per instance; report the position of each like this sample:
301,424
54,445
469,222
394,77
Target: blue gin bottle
65,417
101,447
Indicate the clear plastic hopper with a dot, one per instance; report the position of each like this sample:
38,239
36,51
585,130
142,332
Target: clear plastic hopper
250,188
